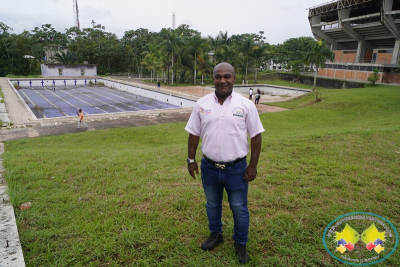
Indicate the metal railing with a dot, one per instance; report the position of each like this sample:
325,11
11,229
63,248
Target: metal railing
361,61
334,5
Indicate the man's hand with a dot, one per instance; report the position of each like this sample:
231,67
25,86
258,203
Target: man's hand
250,173
193,142
193,168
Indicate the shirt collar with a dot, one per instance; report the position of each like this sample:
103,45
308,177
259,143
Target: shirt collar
229,97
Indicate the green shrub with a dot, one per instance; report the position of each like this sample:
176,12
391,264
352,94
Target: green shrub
20,76
17,86
374,77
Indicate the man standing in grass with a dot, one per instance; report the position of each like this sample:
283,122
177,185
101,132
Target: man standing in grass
223,120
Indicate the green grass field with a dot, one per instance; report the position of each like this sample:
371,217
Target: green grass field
123,197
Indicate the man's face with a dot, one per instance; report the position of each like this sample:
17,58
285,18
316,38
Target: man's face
223,79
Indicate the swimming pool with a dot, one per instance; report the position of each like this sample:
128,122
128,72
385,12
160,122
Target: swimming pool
62,98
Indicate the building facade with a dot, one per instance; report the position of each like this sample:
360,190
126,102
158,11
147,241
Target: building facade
73,70
363,34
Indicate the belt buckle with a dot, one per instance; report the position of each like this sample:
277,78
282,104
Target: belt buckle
220,166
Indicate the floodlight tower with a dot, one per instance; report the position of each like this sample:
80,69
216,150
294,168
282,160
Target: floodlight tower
76,13
173,20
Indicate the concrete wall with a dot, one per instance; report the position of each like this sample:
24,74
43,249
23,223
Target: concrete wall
350,57
322,82
167,98
350,74
393,78
75,70
269,90
384,58
340,56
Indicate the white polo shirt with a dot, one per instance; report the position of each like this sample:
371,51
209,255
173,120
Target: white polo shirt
224,128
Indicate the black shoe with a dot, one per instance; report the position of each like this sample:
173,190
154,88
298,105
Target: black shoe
241,251
212,241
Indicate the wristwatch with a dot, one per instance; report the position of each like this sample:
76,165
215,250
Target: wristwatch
190,161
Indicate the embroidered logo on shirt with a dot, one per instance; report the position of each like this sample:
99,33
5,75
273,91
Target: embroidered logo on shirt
238,112
205,111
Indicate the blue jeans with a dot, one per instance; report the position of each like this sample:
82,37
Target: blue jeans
214,181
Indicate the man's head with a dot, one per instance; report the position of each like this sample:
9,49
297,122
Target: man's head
224,78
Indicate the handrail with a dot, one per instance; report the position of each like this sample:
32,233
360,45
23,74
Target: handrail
362,61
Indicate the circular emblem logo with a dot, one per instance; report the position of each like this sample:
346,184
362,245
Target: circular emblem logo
360,238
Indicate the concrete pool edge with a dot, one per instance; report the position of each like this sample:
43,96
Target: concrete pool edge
170,98
275,86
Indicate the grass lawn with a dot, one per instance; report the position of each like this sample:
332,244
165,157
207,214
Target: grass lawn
123,197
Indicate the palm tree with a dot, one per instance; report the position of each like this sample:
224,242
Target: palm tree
229,53
317,56
259,54
182,61
172,42
152,59
196,46
215,44
205,65
65,57
247,48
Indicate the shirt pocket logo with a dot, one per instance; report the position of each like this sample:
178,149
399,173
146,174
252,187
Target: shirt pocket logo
205,111
238,112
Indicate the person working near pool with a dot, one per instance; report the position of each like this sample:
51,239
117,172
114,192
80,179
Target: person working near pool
80,114
251,93
223,120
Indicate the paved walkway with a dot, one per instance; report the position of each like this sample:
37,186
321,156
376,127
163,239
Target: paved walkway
10,246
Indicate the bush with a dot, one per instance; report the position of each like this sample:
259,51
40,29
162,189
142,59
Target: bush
16,86
374,77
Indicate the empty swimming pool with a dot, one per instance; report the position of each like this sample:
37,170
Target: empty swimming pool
59,98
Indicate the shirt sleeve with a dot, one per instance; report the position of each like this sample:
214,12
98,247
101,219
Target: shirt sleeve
193,126
253,122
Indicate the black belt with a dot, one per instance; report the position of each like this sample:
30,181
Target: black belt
223,165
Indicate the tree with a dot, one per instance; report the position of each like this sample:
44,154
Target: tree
374,77
171,43
317,56
139,41
14,49
196,46
65,57
291,53
216,46
152,59
205,65
260,55
247,47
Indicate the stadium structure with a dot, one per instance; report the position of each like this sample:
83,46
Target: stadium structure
363,34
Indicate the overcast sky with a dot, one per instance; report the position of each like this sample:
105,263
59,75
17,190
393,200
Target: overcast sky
279,19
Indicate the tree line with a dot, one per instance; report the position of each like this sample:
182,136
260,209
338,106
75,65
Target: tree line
181,54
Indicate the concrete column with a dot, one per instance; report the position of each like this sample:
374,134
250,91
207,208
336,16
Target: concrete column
395,55
387,5
344,14
360,51
315,20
